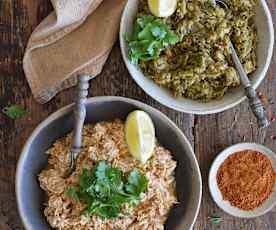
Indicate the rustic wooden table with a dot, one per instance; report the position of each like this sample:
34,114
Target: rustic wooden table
208,134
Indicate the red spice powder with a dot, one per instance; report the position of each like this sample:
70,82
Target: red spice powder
246,179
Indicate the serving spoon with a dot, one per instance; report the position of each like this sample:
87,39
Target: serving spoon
79,113
254,101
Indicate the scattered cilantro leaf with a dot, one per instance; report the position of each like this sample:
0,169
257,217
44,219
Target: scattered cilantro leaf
149,38
215,219
104,190
14,111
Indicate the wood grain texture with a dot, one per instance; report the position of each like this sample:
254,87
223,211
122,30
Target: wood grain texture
208,134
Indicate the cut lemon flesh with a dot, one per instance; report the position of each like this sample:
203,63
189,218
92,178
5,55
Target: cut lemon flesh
162,8
140,135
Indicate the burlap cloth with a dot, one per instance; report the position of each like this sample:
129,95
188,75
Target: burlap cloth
76,38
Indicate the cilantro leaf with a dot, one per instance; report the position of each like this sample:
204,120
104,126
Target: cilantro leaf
215,219
104,189
149,38
158,32
137,183
85,179
72,192
109,175
101,170
108,211
171,38
14,111
144,20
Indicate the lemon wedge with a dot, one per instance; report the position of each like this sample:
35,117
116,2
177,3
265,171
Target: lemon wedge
162,8
140,135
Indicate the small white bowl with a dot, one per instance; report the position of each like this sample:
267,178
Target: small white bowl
216,194
265,31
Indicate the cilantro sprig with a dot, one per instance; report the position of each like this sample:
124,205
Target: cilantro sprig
14,111
150,36
104,189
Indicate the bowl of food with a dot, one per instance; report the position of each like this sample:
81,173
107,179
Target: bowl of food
242,180
184,60
112,187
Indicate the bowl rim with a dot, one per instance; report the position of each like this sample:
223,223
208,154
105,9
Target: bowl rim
67,109
214,169
217,108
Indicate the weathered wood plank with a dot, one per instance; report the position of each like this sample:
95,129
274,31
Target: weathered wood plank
15,27
209,133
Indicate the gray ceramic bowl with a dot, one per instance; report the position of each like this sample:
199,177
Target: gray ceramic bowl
33,159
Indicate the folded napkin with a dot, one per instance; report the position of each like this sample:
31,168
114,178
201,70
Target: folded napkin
76,38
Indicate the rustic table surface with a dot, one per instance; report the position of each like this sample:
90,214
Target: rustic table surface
208,134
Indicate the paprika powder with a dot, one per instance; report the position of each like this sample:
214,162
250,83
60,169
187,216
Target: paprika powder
246,179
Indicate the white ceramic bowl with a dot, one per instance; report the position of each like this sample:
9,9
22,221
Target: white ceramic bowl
264,53
216,194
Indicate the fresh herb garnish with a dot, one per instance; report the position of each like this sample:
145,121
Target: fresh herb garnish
215,219
73,193
136,184
150,36
104,189
14,111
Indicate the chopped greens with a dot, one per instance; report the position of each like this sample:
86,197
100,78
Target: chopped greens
104,189
14,111
200,66
150,36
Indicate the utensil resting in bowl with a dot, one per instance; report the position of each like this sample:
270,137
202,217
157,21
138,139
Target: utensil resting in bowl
79,118
254,101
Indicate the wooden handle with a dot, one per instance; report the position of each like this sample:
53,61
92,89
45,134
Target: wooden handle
257,107
79,117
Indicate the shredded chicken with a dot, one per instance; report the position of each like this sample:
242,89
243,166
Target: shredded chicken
105,141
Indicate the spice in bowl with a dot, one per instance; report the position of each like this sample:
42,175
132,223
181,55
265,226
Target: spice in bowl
246,179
